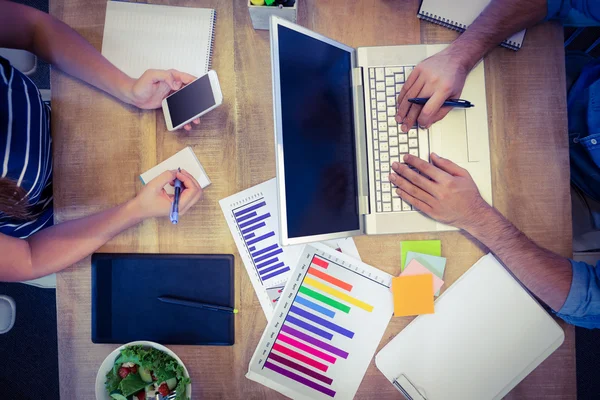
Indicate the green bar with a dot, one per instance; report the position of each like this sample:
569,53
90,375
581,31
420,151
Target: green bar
324,299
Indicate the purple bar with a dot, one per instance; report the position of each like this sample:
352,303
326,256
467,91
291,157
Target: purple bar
268,262
267,270
258,239
298,367
255,220
247,216
309,327
250,236
252,228
251,208
314,342
252,248
281,271
271,254
322,322
258,253
300,379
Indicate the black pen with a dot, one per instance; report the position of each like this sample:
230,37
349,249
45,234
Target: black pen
448,103
197,304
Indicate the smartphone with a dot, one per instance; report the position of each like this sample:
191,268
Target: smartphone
192,101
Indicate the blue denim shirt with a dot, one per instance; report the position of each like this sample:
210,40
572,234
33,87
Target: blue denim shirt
582,306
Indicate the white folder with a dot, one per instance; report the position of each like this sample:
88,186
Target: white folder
487,334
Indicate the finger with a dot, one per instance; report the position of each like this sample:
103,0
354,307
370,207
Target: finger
196,121
183,77
403,104
420,205
415,91
159,75
162,179
431,171
413,177
442,112
187,179
411,118
431,108
187,127
448,166
408,187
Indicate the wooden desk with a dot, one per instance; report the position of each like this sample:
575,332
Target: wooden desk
101,145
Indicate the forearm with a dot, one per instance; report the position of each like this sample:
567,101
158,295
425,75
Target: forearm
62,245
498,21
58,44
543,272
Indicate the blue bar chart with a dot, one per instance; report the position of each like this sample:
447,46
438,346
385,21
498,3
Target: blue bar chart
326,327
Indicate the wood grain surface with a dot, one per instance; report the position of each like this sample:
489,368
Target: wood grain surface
101,146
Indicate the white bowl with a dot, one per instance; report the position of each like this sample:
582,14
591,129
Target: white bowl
109,361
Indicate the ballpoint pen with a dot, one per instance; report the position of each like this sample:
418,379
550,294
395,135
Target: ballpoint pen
197,304
448,103
175,204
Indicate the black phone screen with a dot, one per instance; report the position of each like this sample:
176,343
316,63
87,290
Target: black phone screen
190,101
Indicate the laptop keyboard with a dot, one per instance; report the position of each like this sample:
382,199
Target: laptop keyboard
390,144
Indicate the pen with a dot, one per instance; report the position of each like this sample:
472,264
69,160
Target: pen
448,103
175,205
197,304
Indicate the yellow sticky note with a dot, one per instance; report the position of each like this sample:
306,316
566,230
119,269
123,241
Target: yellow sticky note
412,295
430,247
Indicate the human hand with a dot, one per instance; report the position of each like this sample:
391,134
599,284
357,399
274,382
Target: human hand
449,196
439,77
154,85
153,200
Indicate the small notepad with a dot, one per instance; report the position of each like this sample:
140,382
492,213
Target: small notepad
185,159
139,36
412,295
416,268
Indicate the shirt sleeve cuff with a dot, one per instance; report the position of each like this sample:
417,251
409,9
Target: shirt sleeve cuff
556,10
578,293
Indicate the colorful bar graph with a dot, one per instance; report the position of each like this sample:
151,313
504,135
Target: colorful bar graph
323,322
255,220
306,348
253,228
305,325
319,262
328,278
300,357
269,255
315,342
299,379
272,268
315,306
258,239
281,271
262,251
251,208
247,216
300,368
336,293
324,299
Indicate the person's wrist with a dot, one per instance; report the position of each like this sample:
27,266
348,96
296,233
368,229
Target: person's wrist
479,215
125,90
134,211
465,54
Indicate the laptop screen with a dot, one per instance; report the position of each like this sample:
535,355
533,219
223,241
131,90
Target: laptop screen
318,136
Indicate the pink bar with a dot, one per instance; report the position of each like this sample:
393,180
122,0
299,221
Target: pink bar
306,348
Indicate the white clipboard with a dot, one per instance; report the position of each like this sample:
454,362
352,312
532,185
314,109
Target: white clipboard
487,334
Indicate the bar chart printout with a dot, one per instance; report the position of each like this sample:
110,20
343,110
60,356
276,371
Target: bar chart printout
326,327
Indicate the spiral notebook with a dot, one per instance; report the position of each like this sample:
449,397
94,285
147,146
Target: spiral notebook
459,14
139,36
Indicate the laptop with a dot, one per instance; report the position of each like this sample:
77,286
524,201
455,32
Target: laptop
336,136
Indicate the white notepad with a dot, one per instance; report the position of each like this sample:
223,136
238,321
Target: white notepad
184,159
487,335
139,36
459,14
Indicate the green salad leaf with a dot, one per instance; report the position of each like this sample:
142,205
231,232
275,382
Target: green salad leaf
112,381
131,384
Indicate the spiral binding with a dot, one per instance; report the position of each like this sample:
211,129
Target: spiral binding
211,46
456,26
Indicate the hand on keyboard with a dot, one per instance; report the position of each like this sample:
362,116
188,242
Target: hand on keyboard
449,196
440,77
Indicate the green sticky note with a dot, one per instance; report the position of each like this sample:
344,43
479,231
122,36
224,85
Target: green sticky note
435,264
431,247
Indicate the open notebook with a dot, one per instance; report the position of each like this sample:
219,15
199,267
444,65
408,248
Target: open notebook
139,36
459,14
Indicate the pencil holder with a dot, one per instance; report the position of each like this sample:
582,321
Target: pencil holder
260,14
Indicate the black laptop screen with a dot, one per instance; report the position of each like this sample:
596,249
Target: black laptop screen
318,136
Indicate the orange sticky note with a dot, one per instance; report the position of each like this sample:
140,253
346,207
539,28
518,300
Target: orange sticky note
416,268
412,295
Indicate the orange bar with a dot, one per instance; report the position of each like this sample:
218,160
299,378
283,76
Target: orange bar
329,278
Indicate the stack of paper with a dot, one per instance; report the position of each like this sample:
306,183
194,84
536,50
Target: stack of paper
421,278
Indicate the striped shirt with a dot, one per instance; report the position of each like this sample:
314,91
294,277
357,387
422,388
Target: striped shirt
25,149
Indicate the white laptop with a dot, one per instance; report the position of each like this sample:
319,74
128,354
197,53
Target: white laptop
336,136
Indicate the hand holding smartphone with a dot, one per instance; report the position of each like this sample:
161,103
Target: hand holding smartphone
192,101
